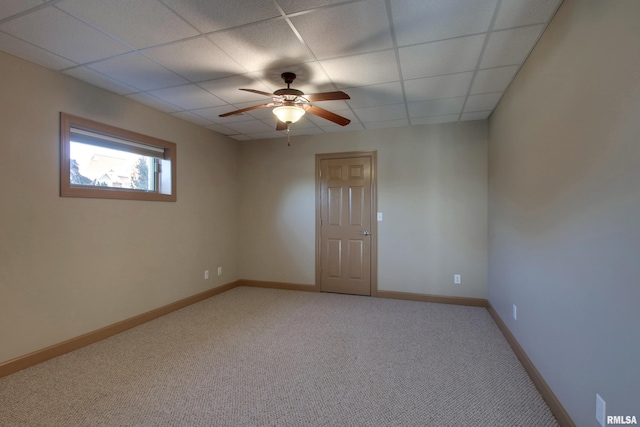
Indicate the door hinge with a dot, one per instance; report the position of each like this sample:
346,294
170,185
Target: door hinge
321,173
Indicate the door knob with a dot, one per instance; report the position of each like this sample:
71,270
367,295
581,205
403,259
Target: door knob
365,233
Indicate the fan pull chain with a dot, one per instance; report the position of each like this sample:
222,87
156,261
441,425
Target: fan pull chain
288,136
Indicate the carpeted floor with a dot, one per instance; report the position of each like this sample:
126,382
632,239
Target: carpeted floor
264,357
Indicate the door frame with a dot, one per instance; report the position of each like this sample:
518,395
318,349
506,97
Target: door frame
373,212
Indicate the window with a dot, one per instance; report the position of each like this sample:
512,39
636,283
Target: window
102,161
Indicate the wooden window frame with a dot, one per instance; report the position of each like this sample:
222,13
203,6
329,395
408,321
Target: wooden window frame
68,121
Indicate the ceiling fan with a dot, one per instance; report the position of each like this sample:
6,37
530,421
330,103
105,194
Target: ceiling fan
292,104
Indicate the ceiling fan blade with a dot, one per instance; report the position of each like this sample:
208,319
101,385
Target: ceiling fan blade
327,96
342,121
255,107
281,126
259,92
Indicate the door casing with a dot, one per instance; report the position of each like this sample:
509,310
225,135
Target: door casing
373,212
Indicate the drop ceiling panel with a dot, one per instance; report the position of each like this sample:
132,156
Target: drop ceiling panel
32,53
360,70
369,96
137,71
153,102
11,7
188,97
195,59
251,126
190,117
139,23
420,21
487,101
348,29
228,89
441,57
493,79
214,15
263,45
387,124
435,107
435,119
383,112
478,115
510,47
515,13
88,75
291,6
63,35
403,62
447,86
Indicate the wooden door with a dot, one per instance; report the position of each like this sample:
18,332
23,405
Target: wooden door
345,225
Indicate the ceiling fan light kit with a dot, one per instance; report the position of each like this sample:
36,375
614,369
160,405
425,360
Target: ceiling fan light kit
292,104
288,113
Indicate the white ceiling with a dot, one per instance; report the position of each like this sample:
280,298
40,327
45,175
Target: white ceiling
403,62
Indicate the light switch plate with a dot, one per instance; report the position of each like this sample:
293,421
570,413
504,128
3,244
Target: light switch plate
379,216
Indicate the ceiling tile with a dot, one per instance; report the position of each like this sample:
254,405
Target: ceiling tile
442,57
435,107
514,13
420,21
139,23
240,137
510,47
447,118
339,129
346,30
188,97
137,71
493,79
195,59
379,113
12,7
153,102
267,135
190,117
292,6
487,101
215,15
221,129
59,33
369,96
228,89
264,45
387,124
478,115
89,76
32,53
361,70
251,126
447,86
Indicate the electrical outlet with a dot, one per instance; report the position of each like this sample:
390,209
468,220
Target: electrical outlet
515,312
457,279
600,409
219,271
206,274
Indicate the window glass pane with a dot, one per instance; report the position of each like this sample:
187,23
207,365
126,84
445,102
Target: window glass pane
93,165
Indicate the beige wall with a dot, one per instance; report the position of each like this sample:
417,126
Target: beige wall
564,207
69,266
432,191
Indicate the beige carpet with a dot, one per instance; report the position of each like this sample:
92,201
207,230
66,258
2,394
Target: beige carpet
262,357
